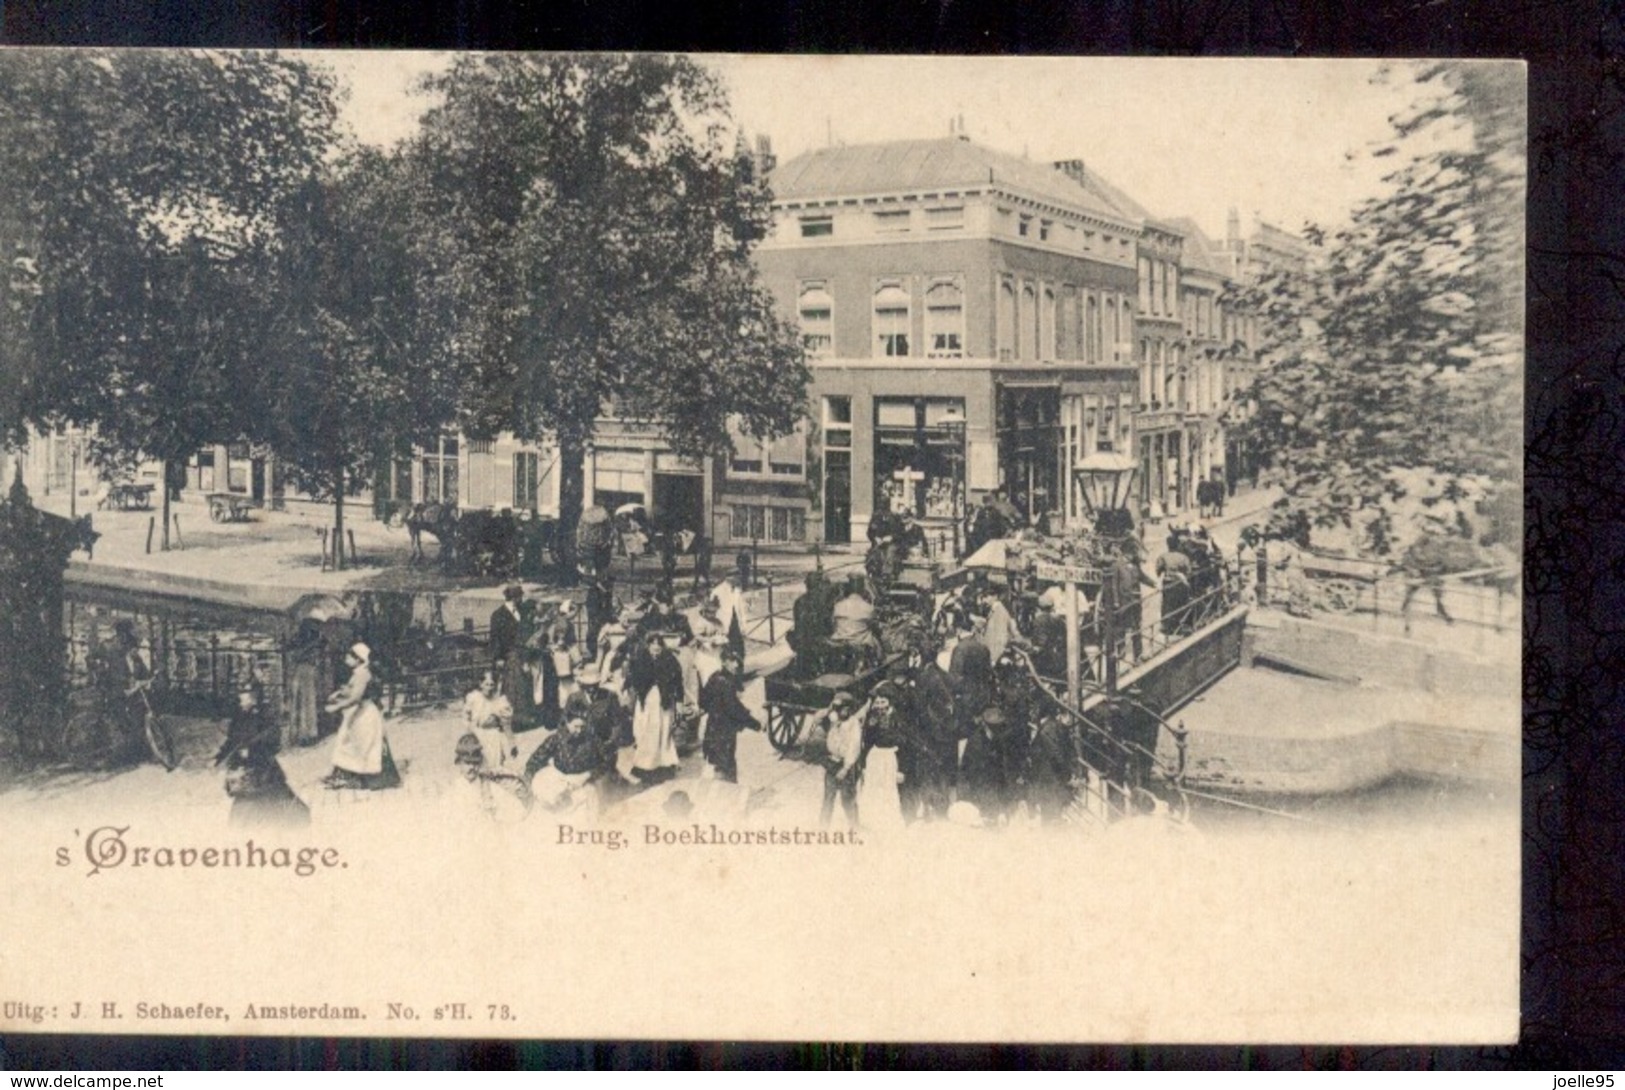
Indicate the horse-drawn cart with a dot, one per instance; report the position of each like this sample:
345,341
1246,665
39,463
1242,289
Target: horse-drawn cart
794,699
128,497
229,507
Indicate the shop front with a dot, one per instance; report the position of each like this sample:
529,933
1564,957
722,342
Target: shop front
1164,476
919,451
1031,444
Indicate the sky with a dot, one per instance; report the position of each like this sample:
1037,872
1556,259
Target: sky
1278,139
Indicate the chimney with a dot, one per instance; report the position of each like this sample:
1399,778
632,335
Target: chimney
1072,168
1232,228
765,159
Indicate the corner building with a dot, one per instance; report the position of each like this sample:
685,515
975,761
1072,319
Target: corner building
969,321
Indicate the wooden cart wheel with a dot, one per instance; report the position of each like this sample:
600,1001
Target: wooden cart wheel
784,729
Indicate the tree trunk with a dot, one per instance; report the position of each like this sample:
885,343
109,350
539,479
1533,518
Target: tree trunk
338,516
164,486
572,497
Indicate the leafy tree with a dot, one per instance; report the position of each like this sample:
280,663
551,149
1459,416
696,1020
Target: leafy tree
143,189
595,228
354,350
1389,380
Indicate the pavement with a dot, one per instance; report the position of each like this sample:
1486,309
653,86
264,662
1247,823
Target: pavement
273,559
773,791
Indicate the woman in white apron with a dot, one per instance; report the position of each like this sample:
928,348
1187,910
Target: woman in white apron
656,682
879,805
489,717
361,756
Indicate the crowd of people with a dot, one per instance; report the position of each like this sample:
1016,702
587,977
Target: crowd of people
952,733
652,683
967,721
957,718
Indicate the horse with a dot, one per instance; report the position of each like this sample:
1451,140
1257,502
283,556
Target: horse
74,535
1210,498
439,519
671,544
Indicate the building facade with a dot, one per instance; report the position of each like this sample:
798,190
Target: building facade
1206,302
969,320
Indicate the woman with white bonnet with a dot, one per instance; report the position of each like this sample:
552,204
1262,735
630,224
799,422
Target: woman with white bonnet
361,757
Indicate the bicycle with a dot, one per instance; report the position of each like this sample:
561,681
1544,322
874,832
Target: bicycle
99,735
157,736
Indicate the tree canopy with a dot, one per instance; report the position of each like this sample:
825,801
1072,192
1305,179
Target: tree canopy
1390,376
353,354
143,191
594,220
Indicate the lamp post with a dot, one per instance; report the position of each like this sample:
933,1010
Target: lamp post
1106,479
953,421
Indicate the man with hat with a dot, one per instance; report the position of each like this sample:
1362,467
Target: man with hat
596,706
1127,578
985,775
843,750
505,624
931,749
1175,570
725,716
1049,636
971,668
509,622
124,674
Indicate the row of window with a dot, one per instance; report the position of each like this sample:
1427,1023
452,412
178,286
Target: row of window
951,217
1037,322
1168,381
1068,236
1159,287
891,318
947,217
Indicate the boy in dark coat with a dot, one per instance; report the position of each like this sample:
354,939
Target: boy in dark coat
725,716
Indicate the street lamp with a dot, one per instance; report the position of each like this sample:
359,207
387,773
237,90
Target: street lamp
1106,479
953,422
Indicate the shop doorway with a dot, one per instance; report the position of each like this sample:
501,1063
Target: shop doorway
679,501
1030,446
837,497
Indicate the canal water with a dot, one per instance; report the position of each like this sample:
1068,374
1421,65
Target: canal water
1401,801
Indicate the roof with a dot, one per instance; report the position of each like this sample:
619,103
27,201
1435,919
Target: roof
1110,194
1200,252
901,166
1081,174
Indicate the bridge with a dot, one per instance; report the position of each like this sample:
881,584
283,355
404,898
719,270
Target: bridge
1119,730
